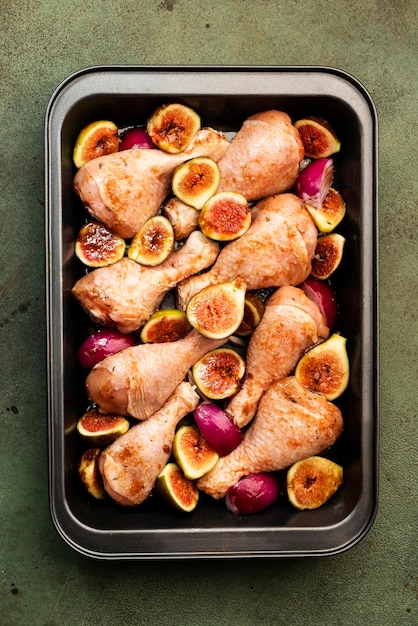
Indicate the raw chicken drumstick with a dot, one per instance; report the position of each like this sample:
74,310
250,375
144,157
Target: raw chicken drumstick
291,323
124,189
276,250
263,158
138,380
131,464
126,293
291,424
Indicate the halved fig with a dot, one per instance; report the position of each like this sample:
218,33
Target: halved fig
328,254
97,246
165,325
218,373
95,140
101,429
173,126
225,216
253,312
196,180
176,490
88,470
194,455
312,481
331,212
318,137
153,243
218,310
325,368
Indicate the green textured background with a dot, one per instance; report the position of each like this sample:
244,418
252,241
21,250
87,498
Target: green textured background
42,581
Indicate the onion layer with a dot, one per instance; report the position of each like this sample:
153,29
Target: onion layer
314,182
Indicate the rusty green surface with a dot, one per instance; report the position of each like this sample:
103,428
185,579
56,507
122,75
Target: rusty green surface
42,581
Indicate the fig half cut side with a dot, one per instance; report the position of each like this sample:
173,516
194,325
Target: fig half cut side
164,326
311,482
225,216
89,473
173,126
195,181
253,312
328,255
176,490
97,246
95,140
194,455
101,429
325,368
331,212
318,137
218,373
218,310
153,243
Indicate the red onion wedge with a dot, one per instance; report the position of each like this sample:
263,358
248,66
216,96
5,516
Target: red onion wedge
252,494
101,344
320,292
314,182
217,428
136,138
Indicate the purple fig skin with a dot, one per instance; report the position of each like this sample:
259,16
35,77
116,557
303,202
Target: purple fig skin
217,428
252,494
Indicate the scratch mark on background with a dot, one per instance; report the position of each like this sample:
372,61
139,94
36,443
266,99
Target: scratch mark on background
12,278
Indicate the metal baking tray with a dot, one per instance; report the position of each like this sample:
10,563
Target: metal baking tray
224,96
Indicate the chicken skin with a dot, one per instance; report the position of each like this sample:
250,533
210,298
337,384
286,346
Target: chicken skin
138,380
183,217
291,424
126,293
126,188
263,158
131,464
291,324
276,250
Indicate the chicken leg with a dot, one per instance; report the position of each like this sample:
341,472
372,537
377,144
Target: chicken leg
131,464
291,424
138,380
291,323
276,250
263,158
126,293
124,189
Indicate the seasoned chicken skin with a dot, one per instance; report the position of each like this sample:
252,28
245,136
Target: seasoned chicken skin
131,464
291,324
291,424
183,217
138,380
126,293
276,250
263,158
124,189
